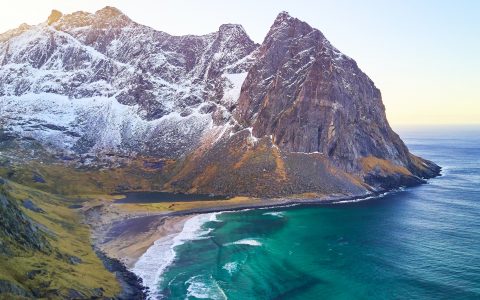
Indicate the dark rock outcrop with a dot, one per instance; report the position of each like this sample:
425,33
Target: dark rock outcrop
12,290
33,273
28,204
38,179
74,294
17,228
132,288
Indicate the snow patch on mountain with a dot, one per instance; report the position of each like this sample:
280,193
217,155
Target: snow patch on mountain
234,86
101,82
98,124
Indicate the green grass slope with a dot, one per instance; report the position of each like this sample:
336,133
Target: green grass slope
45,250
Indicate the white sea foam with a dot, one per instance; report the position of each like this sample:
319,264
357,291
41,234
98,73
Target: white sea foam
249,242
276,206
231,267
214,217
161,254
369,197
204,287
274,213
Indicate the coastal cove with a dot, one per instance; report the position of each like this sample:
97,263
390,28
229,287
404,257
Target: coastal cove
349,239
239,160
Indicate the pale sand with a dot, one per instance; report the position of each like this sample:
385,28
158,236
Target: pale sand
126,236
132,242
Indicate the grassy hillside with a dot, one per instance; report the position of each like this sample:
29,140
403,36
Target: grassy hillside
58,178
45,250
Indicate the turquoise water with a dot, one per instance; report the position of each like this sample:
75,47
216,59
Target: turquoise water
419,243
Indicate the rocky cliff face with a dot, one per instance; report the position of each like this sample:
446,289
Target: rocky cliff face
311,98
233,114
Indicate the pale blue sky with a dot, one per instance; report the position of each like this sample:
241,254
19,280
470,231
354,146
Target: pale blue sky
423,55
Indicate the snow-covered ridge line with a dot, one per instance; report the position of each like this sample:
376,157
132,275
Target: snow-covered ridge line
100,82
176,92
68,123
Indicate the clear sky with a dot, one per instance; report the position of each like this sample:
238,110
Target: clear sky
423,55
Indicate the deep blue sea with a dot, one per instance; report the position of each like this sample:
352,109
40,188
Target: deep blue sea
417,243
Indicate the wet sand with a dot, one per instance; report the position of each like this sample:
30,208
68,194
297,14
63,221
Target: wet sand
126,236
128,240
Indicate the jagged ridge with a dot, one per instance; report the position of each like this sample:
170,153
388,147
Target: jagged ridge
151,92
238,117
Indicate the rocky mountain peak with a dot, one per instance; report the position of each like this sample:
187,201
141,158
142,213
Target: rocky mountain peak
231,28
14,32
282,17
115,86
235,35
24,26
286,27
105,18
55,15
109,11
309,97
111,16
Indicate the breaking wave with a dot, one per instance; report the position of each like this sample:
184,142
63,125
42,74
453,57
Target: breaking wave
151,265
249,242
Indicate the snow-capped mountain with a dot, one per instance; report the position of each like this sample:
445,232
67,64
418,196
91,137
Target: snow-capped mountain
101,82
291,115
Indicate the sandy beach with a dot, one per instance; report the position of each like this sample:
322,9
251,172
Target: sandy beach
136,235
126,236
126,231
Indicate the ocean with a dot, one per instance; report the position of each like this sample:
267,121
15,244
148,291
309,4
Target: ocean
416,243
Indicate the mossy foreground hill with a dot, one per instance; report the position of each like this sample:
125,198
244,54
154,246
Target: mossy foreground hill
46,251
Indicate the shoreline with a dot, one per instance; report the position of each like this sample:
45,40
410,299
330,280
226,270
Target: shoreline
128,236
151,265
128,239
